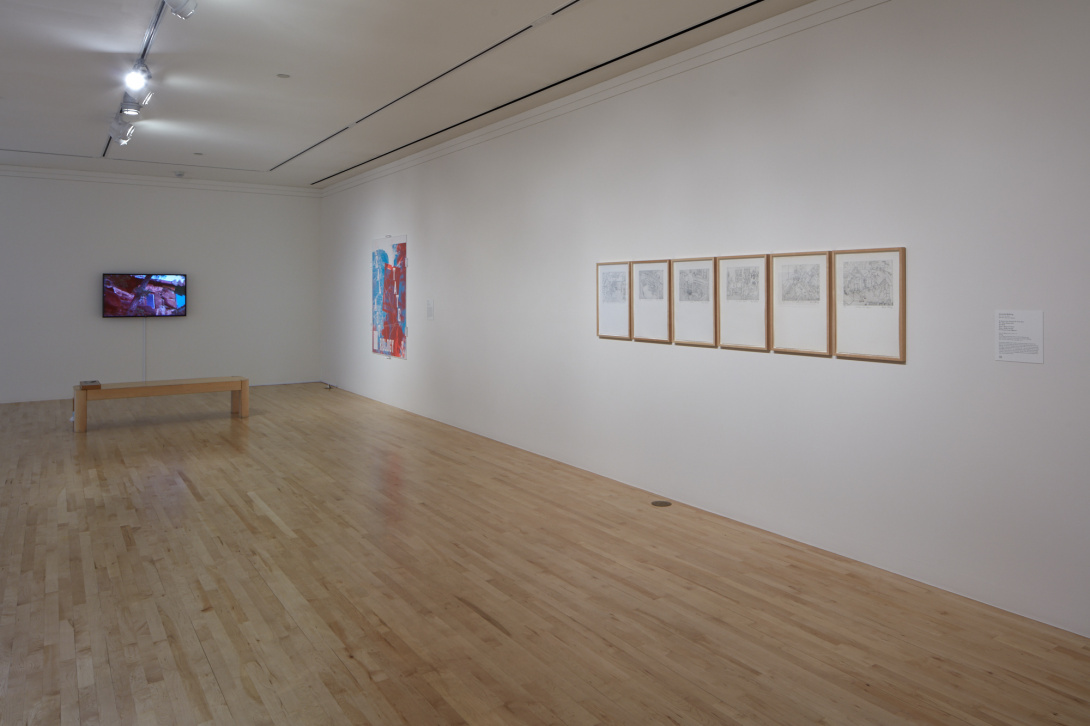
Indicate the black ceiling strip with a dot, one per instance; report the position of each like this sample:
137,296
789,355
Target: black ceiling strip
107,147
404,95
447,72
557,12
546,88
427,83
285,161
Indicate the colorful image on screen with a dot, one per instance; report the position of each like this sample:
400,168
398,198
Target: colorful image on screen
140,296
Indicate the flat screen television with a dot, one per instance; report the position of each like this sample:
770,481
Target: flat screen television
143,296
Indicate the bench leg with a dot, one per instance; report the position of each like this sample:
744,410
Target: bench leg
240,400
79,407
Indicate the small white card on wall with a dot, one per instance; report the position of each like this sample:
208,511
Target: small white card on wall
1019,336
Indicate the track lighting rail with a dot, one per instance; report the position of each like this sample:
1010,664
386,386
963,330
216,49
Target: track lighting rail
136,95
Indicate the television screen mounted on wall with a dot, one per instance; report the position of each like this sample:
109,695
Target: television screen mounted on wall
143,295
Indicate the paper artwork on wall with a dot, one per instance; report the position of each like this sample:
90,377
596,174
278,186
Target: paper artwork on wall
614,300
743,302
847,304
869,304
389,332
651,301
800,303
693,281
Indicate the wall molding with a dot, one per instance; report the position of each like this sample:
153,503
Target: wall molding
24,172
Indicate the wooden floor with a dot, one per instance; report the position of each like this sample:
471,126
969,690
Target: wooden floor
331,560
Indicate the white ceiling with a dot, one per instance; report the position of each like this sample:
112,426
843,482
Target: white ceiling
388,77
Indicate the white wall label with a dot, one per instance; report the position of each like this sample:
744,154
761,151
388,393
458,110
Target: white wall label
431,310
1019,336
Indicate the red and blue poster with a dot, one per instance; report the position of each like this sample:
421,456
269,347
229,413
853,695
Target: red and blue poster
388,274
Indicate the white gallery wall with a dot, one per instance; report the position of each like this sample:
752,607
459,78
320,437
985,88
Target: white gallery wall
250,254
954,128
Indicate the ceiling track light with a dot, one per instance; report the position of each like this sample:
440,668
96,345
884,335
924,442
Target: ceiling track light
142,97
137,95
181,8
121,130
137,79
130,106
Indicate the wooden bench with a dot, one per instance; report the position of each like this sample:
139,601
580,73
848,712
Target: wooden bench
238,386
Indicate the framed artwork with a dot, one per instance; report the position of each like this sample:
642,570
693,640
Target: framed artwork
693,299
614,300
869,304
651,301
801,303
389,274
743,302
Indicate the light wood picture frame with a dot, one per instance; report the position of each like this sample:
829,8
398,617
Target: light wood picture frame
614,306
693,298
869,304
801,304
743,302
652,302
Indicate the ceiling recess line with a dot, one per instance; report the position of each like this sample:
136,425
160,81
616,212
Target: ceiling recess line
557,12
447,72
425,84
469,60
546,88
315,144
406,95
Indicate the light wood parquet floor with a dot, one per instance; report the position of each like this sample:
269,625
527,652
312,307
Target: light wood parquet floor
332,560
